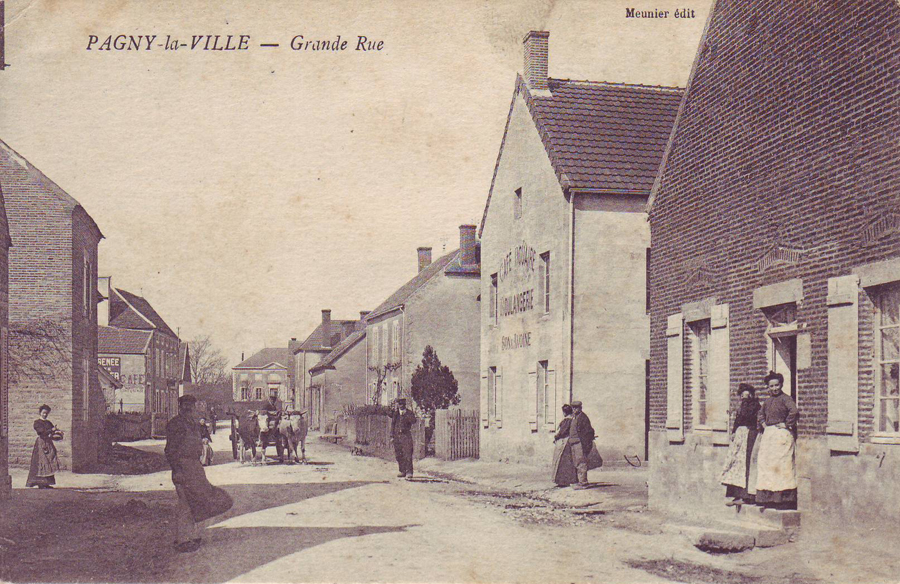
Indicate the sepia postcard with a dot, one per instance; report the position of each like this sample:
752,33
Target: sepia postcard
473,291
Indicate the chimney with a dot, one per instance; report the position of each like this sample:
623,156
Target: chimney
467,253
326,327
536,47
361,324
424,257
103,286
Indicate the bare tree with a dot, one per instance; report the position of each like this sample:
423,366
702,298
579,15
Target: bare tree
381,373
208,364
40,349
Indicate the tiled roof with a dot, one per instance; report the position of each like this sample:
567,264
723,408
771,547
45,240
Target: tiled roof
402,295
259,360
316,340
136,313
27,189
119,341
603,137
332,357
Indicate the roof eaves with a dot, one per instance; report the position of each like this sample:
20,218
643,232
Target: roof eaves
135,310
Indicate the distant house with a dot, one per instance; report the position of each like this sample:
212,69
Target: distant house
52,314
327,335
340,378
264,372
437,307
565,244
137,344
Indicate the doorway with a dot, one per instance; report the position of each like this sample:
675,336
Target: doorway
783,360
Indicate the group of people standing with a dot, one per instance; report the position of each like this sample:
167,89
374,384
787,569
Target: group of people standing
575,453
762,470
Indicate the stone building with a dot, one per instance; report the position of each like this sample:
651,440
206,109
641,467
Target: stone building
109,384
254,378
564,242
5,243
776,246
437,307
52,314
137,345
340,377
327,335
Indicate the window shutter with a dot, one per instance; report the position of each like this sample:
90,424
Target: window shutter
498,388
675,378
484,401
535,401
551,416
719,390
843,363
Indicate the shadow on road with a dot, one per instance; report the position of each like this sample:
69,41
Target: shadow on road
64,535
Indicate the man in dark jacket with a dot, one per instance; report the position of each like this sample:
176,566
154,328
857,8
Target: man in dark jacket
402,421
581,439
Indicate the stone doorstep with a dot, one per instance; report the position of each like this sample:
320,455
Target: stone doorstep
731,535
778,518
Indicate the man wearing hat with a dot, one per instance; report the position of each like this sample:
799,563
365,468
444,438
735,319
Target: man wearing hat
402,421
198,500
581,440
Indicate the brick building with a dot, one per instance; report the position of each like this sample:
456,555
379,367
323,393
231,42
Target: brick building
137,346
327,335
52,314
438,307
5,242
564,243
264,371
776,245
340,377
109,384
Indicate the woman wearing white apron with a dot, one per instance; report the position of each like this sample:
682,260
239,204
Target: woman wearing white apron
736,476
776,480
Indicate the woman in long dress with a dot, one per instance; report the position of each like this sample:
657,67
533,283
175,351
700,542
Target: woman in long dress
736,476
563,469
44,460
206,457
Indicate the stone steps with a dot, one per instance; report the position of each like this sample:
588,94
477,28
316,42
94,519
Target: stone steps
740,528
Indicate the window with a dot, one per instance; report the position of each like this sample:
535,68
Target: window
86,386
396,349
493,299
700,367
492,393
517,204
87,285
544,391
395,389
888,365
545,281
259,394
245,393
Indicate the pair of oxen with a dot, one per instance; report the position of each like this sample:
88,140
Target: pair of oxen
286,430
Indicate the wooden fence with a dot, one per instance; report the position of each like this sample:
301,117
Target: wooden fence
456,434
372,434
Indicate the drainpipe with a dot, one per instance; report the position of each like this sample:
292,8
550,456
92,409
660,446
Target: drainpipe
571,294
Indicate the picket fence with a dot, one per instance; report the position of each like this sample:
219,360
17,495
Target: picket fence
456,434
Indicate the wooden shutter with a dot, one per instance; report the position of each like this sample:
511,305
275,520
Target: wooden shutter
551,394
843,363
719,382
675,378
533,383
498,390
484,401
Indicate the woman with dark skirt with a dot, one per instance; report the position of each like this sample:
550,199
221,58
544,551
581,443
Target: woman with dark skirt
739,474
44,461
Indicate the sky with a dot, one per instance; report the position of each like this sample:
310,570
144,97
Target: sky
242,192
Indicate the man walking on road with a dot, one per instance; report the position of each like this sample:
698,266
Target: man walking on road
402,421
581,439
198,500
